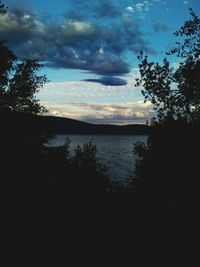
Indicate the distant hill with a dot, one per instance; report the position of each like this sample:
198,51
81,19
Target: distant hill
59,125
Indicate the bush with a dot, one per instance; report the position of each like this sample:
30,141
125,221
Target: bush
167,166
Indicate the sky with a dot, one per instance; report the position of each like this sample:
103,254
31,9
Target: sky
89,51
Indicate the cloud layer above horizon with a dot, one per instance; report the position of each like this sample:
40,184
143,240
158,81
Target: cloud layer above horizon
97,103
104,113
89,49
93,36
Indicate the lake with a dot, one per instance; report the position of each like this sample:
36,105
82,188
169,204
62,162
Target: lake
115,151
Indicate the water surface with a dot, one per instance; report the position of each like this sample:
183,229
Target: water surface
115,151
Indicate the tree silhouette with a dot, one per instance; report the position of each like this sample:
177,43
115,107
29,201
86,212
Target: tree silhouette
22,87
19,83
175,92
26,158
167,166
22,136
3,8
191,44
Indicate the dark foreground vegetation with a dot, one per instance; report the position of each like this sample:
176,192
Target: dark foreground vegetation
26,158
167,171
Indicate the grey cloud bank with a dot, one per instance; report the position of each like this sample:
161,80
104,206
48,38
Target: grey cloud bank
113,81
104,113
77,43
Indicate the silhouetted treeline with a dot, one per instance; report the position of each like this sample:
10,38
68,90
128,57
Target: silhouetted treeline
58,125
27,158
167,169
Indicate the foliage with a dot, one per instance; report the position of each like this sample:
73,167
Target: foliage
22,87
175,93
167,166
79,171
3,8
87,164
26,158
191,44
19,81
85,156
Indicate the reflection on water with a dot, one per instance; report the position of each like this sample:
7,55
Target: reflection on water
116,152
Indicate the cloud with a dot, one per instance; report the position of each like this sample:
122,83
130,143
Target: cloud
110,67
97,103
104,113
140,9
76,42
113,81
139,6
107,9
160,27
144,6
18,26
95,9
130,9
125,107
76,91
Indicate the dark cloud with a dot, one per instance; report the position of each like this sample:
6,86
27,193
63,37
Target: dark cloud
113,81
160,27
110,67
107,9
91,9
75,42
18,26
100,67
